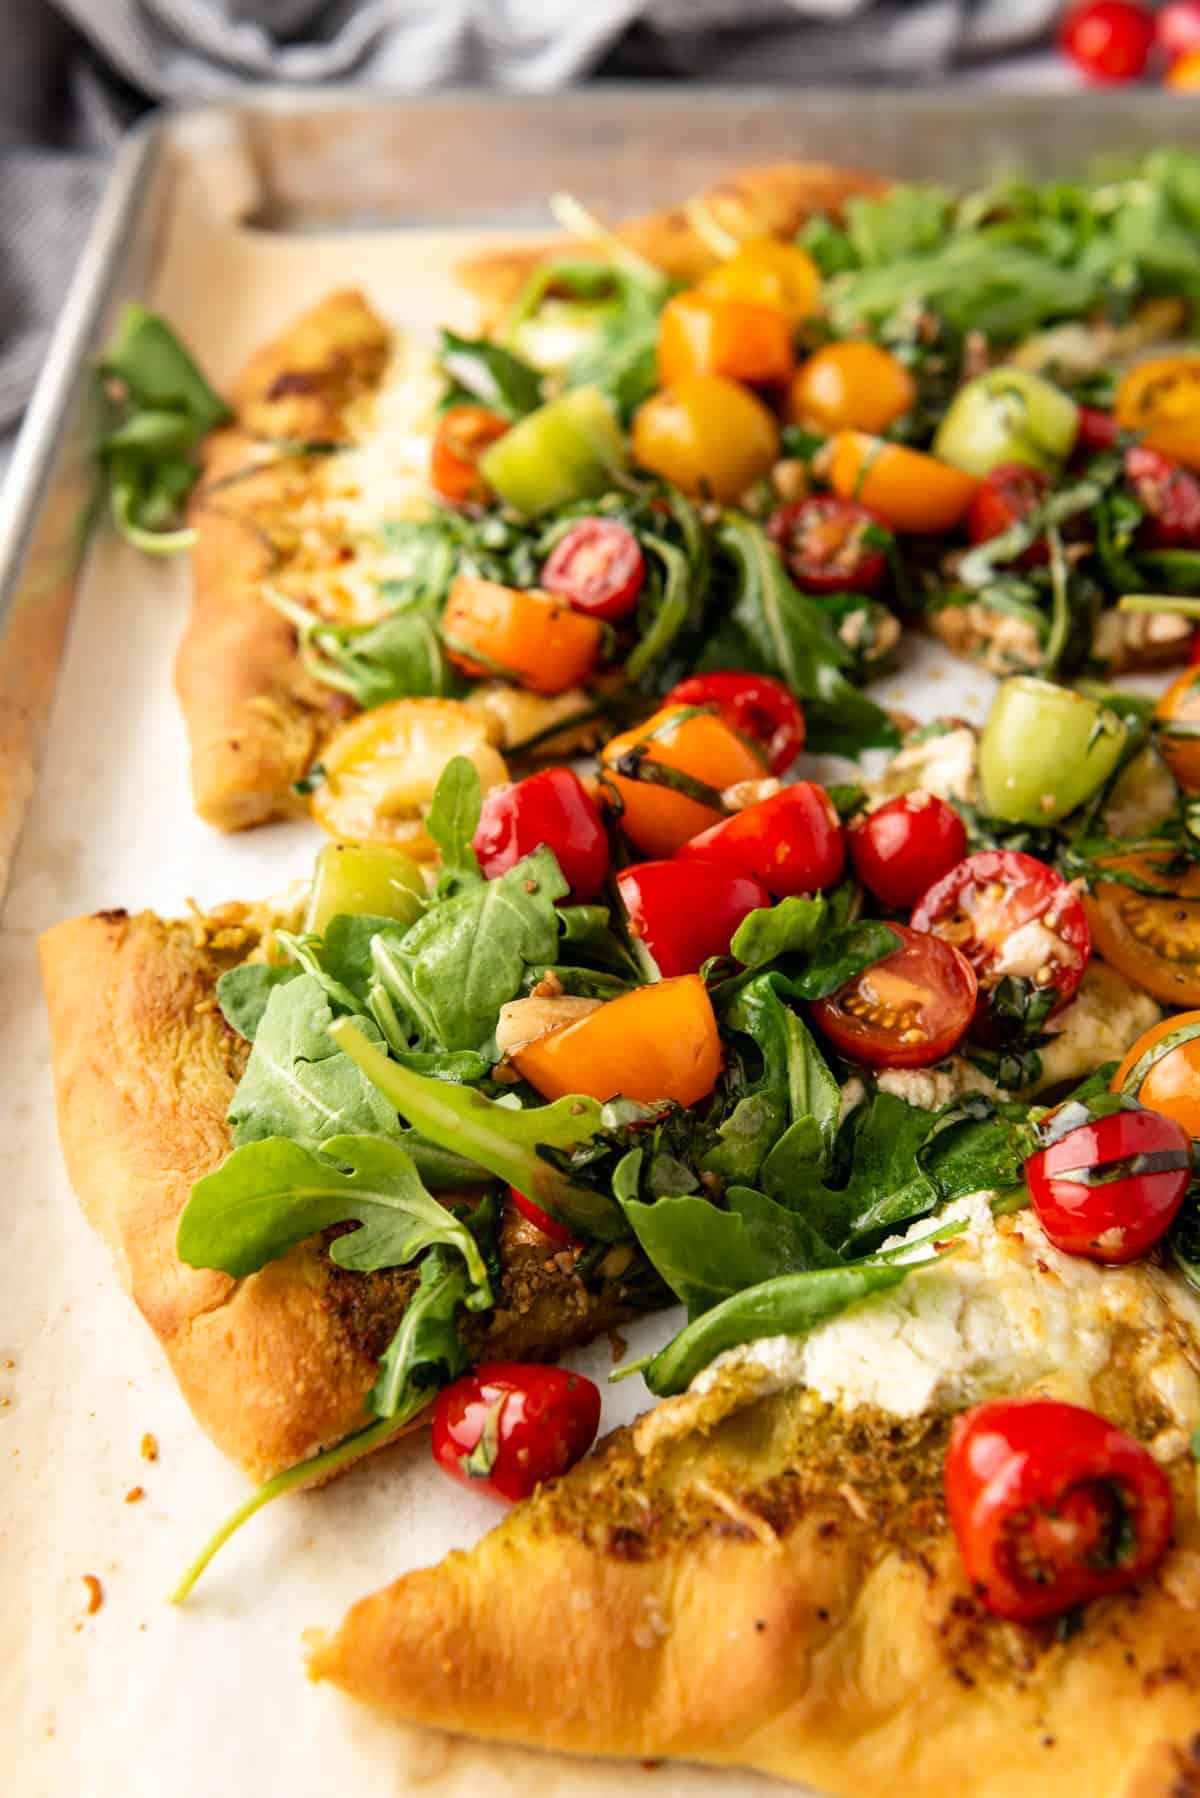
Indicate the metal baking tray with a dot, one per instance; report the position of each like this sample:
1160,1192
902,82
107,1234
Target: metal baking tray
340,159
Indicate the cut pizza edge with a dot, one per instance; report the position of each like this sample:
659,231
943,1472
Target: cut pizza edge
276,1366
762,1579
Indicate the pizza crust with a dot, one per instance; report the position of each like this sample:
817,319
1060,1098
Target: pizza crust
274,1367
772,1584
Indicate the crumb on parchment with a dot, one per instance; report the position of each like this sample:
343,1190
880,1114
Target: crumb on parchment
149,1447
95,1592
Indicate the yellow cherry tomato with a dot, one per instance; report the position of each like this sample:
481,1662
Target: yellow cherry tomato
701,334
706,435
657,818
1177,721
850,386
1184,73
1151,938
912,491
1160,399
381,769
530,638
1162,1070
657,1042
773,274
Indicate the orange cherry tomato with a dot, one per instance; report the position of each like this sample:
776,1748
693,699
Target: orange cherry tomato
462,435
657,818
850,386
1160,399
1177,720
538,642
912,491
707,435
1162,1070
703,334
772,273
1154,940
1184,73
657,1042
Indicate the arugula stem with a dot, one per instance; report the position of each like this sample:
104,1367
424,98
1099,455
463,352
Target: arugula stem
295,1479
575,218
1187,606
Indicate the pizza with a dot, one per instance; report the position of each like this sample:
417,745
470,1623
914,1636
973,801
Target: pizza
757,431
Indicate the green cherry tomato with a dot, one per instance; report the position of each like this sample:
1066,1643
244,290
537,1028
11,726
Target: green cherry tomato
364,878
1007,416
568,449
1044,750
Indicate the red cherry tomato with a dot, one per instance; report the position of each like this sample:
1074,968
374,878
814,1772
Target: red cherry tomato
1110,40
1194,648
551,807
598,566
752,704
1097,431
1109,1187
541,1219
824,542
462,435
793,841
1010,915
1170,496
1051,1506
905,1011
685,913
901,849
508,1426
1003,498
1178,27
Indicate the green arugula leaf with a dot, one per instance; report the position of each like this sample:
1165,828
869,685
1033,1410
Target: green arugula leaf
454,817
791,1105
486,373
242,993
297,1083
1183,1240
400,656
270,1195
427,1350
843,954
789,928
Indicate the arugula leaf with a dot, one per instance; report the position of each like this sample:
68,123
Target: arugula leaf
705,1253
297,1083
789,1305
788,928
452,970
1183,1240
790,1108
511,1143
401,656
485,372
454,817
243,992
587,936
427,1350
270,1195
843,954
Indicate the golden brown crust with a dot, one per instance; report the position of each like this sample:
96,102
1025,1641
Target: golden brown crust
274,1367
778,1589
255,718
768,200
1124,642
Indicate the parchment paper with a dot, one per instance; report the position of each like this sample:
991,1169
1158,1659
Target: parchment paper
139,1699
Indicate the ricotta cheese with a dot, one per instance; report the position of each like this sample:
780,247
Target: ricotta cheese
946,766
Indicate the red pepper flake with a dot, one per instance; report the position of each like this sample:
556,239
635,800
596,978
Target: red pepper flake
95,1593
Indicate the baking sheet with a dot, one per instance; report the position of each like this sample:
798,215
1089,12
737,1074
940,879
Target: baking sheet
139,1699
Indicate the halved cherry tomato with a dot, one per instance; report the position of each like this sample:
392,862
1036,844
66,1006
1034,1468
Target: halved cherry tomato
656,817
1177,728
508,1426
853,385
683,915
901,848
462,435
1153,939
1170,496
772,273
1110,40
1108,1187
1097,430
793,842
708,334
1003,498
382,767
1010,915
1162,1070
826,543
913,492
905,1011
1051,1506
552,807
657,1042
598,566
541,1220
752,704
526,637
1160,399
1184,74
707,435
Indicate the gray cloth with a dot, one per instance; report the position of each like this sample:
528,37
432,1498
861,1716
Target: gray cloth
76,72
